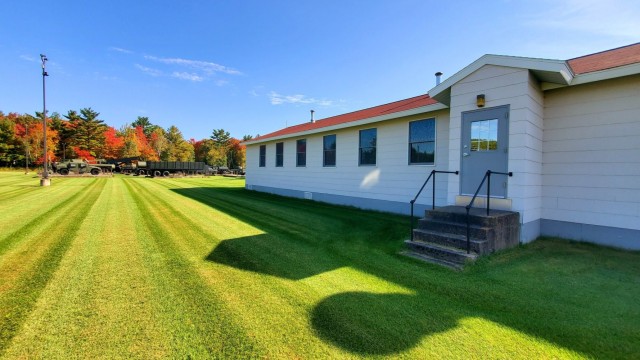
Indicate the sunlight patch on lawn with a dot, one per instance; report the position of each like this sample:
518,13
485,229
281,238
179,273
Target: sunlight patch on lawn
348,279
493,338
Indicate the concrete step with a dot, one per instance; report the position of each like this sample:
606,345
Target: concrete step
440,252
432,260
477,216
456,228
451,240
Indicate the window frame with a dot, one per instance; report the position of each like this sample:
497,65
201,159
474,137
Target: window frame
434,141
335,151
375,148
301,153
262,156
280,156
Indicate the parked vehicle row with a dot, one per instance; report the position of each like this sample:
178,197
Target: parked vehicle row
132,166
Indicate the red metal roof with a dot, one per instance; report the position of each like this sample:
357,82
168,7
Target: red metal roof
621,56
394,107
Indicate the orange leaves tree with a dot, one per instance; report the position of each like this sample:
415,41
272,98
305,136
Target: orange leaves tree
113,143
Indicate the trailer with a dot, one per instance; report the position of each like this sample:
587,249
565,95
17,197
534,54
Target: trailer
173,168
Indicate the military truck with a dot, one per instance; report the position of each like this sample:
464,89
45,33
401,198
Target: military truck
103,165
76,167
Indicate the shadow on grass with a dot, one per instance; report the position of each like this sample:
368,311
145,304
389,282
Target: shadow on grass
255,253
546,290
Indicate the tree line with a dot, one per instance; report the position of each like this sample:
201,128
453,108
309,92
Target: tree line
81,134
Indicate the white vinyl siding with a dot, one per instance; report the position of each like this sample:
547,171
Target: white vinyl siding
392,178
591,171
520,91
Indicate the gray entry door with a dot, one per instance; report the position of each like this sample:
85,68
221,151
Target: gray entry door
485,135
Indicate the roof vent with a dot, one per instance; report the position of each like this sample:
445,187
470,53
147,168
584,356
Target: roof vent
312,120
438,75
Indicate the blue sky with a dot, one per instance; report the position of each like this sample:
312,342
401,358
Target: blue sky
253,67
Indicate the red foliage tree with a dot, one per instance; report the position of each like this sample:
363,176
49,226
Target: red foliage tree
83,154
146,152
113,144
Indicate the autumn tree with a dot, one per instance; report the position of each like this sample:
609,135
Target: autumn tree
220,137
10,145
65,132
146,152
144,123
236,154
129,142
177,149
158,141
89,131
113,143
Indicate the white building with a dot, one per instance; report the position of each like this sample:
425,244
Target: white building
568,130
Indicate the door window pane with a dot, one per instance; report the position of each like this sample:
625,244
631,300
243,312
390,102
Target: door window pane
484,135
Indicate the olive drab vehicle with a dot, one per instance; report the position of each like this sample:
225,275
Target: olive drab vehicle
76,167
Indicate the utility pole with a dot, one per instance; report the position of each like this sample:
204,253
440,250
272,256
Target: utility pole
45,181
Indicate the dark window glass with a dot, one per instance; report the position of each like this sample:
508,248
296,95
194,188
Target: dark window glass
279,154
329,150
301,152
422,137
368,140
263,155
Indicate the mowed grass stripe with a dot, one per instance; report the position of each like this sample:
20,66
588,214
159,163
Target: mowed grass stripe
289,297
29,272
202,325
99,304
33,238
266,212
284,328
36,205
14,178
8,192
13,184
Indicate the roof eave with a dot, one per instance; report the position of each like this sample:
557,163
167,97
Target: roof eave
560,68
399,114
616,72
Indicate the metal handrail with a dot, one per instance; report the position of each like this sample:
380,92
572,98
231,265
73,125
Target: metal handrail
487,176
433,193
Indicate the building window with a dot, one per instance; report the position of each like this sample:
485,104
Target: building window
368,140
279,154
263,155
301,152
422,141
329,150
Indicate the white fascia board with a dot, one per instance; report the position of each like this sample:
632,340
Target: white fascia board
375,119
558,66
626,70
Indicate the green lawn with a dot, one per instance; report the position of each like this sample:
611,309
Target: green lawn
128,267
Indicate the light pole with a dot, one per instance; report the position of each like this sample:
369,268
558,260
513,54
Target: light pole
45,181
26,146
